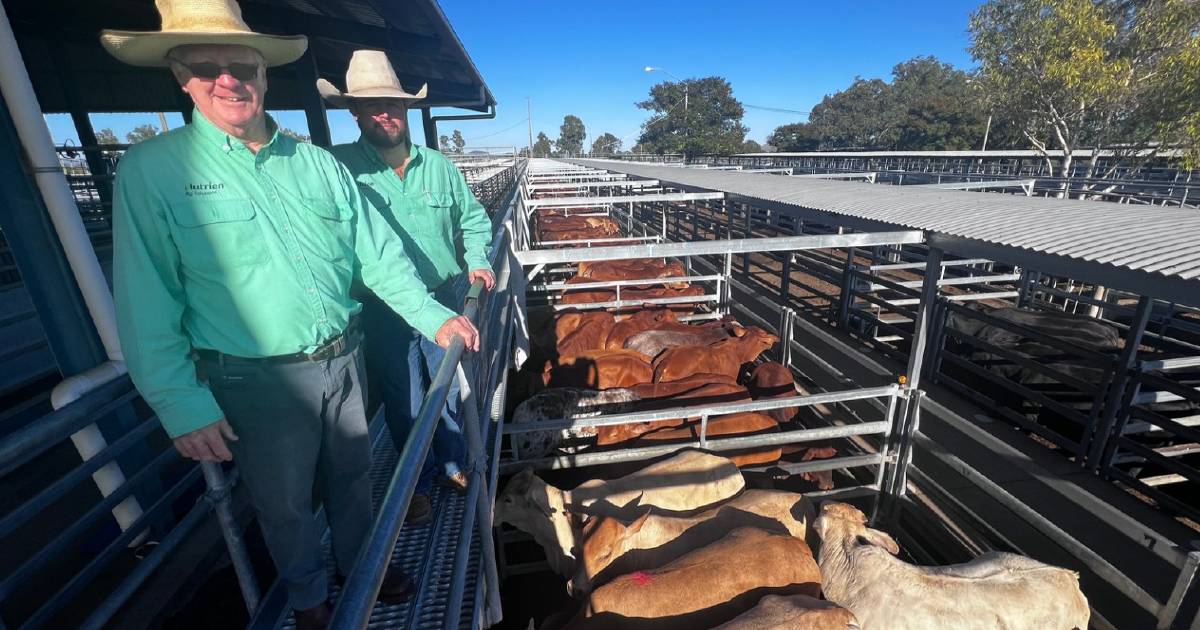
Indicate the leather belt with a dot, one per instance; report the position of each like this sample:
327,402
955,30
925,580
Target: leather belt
336,346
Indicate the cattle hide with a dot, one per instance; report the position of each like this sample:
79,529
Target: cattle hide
611,547
705,587
724,357
728,426
637,322
655,341
995,590
577,332
562,403
599,369
793,612
687,481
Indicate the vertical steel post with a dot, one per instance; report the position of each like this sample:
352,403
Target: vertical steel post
218,495
846,299
314,106
1095,438
921,325
1166,616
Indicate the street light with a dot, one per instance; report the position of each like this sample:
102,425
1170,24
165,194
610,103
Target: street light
685,98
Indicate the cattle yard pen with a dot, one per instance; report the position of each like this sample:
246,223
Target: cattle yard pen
785,268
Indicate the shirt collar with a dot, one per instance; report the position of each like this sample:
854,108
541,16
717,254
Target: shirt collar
212,133
372,154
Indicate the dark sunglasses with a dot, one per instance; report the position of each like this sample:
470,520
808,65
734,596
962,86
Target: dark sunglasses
210,71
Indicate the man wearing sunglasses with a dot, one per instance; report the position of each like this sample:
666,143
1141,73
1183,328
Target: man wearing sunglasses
235,249
427,203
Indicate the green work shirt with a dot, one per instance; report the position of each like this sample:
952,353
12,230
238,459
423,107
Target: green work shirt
444,228
253,255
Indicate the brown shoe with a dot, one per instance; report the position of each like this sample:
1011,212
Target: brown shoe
420,510
457,482
315,618
396,587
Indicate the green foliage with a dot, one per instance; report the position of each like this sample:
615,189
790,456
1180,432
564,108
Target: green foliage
795,137
928,105
141,132
751,146
299,137
606,144
570,136
444,142
1075,74
106,136
457,142
710,123
541,147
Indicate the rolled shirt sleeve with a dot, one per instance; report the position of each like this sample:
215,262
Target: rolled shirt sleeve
475,223
150,304
386,270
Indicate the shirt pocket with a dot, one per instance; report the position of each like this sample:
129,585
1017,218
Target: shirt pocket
331,232
218,234
439,207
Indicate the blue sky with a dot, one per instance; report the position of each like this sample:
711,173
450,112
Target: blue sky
587,58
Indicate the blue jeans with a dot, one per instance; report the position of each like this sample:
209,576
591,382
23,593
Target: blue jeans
299,425
404,362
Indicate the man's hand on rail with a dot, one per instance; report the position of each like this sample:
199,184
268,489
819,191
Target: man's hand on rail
462,327
207,444
489,278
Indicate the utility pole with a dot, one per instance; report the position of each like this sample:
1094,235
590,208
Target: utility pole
162,118
529,119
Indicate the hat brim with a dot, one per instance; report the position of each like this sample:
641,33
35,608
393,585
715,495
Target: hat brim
338,98
140,48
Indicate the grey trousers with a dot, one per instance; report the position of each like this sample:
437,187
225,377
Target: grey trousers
301,427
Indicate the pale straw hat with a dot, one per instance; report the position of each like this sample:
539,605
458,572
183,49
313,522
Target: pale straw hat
370,75
187,22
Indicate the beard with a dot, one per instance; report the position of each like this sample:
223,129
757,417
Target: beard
382,139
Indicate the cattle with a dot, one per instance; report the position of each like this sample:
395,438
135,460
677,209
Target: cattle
793,612
576,332
540,510
698,389
598,369
633,269
773,380
705,587
687,481
724,357
589,296
552,227
727,426
611,547
637,322
562,403
655,341
995,590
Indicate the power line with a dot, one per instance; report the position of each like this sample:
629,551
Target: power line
777,109
521,122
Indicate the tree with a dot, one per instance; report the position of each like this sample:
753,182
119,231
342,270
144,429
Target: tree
795,137
606,144
863,116
299,137
750,146
936,107
1122,75
541,147
711,122
141,132
444,143
570,136
457,142
106,136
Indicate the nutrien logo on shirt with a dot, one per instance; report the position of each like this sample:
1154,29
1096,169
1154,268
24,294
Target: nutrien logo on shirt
203,190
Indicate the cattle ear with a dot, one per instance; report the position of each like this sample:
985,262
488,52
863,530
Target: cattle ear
637,523
880,539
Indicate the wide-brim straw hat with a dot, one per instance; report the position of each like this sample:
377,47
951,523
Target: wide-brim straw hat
187,22
370,75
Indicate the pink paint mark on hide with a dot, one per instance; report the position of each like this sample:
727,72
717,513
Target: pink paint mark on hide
641,578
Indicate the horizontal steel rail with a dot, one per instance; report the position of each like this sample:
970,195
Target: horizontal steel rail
628,183
563,286
607,201
711,410
704,248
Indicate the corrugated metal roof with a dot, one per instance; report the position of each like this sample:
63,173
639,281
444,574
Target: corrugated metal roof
1161,242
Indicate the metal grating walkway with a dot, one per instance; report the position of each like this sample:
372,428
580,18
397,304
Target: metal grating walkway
425,552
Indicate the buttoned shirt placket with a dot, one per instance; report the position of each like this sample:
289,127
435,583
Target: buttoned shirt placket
294,251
